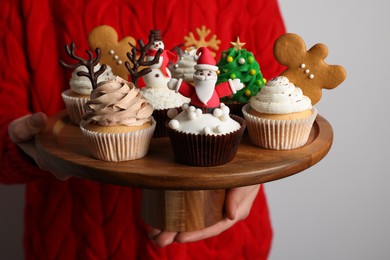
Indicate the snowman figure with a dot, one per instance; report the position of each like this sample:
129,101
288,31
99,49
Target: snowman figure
160,74
155,84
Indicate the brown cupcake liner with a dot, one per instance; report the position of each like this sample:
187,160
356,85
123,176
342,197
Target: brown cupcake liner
235,108
119,147
206,150
278,134
161,117
75,106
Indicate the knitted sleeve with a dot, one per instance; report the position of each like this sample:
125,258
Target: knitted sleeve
14,94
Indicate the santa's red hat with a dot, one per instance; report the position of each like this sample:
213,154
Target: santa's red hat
205,60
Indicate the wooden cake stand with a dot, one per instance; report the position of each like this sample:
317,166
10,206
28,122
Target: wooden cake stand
178,197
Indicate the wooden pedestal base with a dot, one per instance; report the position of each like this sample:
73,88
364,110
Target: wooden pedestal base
178,211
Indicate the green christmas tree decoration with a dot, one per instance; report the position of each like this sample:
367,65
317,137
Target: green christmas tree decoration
238,63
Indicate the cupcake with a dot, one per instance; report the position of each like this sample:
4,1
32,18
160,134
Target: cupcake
204,134
162,99
155,88
200,138
238,63
117,125
80,85
279,117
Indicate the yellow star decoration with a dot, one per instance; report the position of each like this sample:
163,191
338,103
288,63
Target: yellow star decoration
238,45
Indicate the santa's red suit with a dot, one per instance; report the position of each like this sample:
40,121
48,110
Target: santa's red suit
221,90
205,94
82,219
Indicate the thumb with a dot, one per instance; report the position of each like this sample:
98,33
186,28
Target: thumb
25,128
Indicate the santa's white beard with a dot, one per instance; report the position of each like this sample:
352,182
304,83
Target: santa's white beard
204,87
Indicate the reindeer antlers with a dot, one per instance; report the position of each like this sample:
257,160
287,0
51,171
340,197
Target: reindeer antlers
140,61
89,64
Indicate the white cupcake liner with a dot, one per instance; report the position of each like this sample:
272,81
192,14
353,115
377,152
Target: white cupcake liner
75,106
118,147
278,134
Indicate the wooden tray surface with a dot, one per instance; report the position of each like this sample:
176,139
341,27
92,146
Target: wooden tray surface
63,143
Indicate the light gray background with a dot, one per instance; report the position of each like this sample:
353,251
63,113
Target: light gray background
339,208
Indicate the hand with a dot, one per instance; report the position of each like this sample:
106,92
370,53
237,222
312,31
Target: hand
22,132
172,84
236,84
237,207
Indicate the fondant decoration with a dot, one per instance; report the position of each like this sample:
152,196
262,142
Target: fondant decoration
89,64
134,67
238,63
206,94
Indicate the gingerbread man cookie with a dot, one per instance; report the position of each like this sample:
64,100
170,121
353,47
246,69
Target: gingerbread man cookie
307,68
113,51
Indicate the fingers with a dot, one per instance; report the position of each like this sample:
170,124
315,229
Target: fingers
238,204
235,197
165,238
25,128
22,131
162,238
214,230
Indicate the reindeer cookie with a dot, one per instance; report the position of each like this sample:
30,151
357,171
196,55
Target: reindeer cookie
113,52
307,68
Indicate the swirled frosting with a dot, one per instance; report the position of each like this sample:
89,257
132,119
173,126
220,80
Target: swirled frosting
279,96
82,85
117,102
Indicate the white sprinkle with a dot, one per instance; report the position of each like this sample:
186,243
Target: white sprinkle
219,129
198,112
174,124
217,112
172,113
191,115
206,130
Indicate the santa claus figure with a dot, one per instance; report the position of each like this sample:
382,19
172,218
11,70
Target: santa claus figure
205,94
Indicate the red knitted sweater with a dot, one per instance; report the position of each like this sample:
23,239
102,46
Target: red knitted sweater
81,219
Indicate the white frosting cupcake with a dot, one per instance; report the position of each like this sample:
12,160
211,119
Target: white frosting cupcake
79,92
82,85
205,139
279,117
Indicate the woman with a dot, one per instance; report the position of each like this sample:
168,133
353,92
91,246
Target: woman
72,218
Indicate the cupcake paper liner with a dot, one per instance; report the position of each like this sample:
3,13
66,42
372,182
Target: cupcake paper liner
75,106
118,147
160,115
278,134
206,150
235,108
